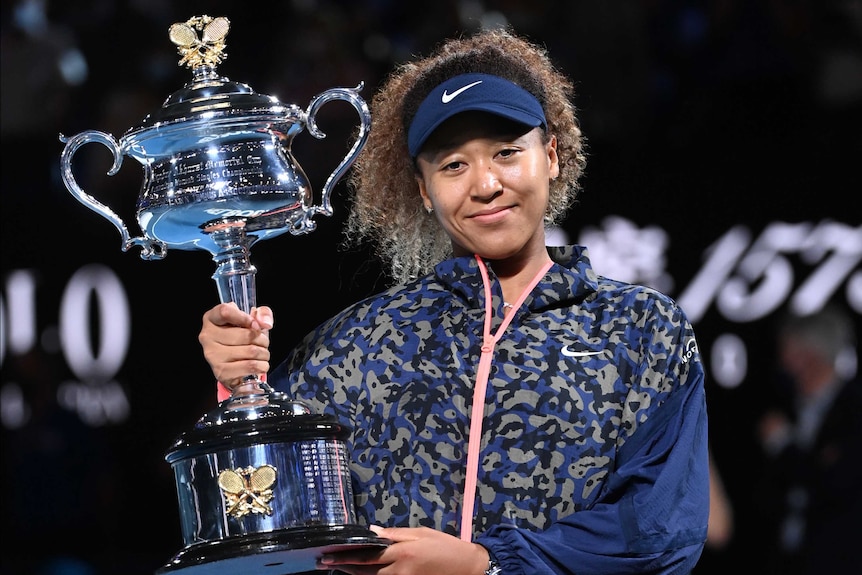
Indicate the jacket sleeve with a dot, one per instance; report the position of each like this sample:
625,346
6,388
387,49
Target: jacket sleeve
652,516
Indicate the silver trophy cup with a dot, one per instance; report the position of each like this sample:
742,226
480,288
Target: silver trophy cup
263,482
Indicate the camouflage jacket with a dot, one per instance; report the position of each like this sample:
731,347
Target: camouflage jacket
594,442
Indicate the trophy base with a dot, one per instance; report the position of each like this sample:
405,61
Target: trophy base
274,553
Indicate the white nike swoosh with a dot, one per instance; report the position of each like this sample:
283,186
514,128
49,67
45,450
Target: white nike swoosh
571,353
449,97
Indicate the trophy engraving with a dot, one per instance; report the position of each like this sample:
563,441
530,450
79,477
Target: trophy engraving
219,176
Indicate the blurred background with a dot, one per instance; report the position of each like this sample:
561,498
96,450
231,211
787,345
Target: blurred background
724,152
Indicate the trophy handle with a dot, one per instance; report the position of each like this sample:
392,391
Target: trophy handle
350,95
151,249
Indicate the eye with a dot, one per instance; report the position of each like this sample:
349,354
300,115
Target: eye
453,166
507,152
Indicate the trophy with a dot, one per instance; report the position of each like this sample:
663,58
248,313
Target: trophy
262,482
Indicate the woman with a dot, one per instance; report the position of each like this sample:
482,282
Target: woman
513,412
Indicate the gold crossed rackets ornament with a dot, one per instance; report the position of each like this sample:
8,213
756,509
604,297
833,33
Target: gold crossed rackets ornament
247,490
200,40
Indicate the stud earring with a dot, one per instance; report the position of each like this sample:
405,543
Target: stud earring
429,209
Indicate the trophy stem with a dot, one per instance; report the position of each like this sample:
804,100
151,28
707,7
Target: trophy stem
234,275
235,280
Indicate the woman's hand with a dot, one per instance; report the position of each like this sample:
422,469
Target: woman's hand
235,343
414,551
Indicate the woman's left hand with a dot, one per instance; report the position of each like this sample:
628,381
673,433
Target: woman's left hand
414,551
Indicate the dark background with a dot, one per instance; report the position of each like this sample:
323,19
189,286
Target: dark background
705,120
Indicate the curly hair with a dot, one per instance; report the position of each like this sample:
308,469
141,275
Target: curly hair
386,207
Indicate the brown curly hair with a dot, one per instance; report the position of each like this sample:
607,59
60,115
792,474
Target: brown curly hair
386,207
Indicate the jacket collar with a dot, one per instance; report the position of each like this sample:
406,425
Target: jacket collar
570,281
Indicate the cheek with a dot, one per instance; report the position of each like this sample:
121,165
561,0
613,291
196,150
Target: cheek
534,180
447,195
536,169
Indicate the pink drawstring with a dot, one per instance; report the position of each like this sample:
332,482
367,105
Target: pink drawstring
477,414
222,392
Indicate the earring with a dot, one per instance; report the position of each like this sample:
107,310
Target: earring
429,209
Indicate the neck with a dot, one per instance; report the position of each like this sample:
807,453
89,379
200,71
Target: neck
516,274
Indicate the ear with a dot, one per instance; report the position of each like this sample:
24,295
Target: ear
423,191
553,158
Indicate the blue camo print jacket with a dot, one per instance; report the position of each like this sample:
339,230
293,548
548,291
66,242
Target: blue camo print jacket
591,464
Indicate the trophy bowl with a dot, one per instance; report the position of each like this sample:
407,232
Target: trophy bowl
263,483
216,154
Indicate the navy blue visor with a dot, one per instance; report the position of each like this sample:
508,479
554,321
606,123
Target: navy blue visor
472,92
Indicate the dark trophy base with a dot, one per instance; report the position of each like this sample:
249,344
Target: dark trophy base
276,553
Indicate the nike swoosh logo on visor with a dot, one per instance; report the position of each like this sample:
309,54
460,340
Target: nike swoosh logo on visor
447,97
572,353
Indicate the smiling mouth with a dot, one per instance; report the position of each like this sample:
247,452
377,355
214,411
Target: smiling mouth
490,212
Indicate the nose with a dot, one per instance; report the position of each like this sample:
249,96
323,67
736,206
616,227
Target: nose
488,183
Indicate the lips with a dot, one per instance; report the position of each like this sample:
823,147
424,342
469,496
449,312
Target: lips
491,214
